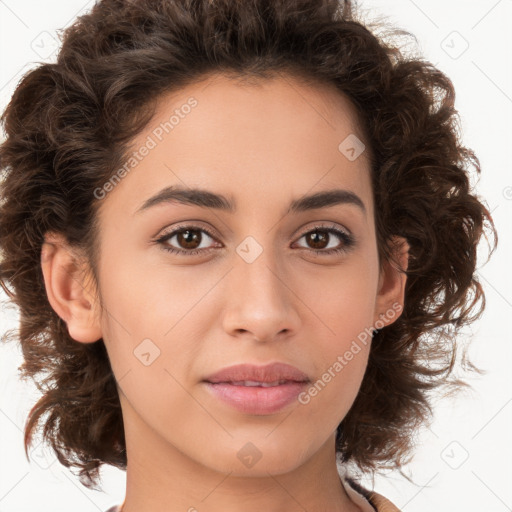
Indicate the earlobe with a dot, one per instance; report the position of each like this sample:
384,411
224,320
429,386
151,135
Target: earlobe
67,291
391,289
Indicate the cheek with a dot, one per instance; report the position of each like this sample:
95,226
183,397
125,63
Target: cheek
342,304
341,300
339,377
149,300
151,329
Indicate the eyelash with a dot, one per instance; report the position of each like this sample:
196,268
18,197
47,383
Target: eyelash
348,240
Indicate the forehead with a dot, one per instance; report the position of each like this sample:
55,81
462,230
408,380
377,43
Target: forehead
277,137
266,99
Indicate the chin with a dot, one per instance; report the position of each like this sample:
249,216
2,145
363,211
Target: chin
257,459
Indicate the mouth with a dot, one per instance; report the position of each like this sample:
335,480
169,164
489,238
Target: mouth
253,383
257,398
253,389
250,374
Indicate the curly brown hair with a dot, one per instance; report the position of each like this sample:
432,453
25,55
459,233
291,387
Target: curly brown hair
68,127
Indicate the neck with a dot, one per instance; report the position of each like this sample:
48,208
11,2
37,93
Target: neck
161,478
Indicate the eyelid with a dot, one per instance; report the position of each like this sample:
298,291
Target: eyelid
323,225
192,224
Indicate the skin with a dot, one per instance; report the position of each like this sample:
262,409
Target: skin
262,145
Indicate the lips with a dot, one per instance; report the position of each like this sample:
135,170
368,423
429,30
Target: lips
257,390
252,375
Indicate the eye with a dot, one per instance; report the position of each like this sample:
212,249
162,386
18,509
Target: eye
321,238
189,237
192,240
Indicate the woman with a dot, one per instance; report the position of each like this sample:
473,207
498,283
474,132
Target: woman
242,240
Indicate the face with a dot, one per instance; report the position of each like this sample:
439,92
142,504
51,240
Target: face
256,283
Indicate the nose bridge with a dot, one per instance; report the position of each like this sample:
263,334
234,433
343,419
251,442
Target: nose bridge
260,297
257,270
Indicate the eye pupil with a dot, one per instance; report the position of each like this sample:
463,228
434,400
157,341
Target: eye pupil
191,237
318,235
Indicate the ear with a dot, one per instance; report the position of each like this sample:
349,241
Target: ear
68,292
389,303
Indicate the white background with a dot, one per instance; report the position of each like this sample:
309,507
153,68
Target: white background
463,460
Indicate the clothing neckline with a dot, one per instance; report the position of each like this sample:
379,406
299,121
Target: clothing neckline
357,497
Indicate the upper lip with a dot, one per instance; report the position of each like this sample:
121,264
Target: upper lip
268,373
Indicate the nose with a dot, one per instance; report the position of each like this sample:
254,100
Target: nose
261,304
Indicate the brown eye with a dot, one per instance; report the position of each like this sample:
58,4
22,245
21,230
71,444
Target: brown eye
321,240
192,240
188,240
318,239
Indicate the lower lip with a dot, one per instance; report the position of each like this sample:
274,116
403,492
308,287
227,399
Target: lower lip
257,399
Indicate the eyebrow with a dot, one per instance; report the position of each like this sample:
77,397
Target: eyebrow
206,199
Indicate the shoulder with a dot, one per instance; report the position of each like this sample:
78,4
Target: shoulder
379,502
